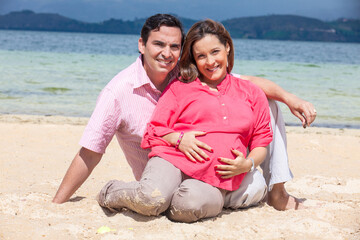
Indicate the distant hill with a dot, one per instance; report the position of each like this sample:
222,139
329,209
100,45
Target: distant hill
275,27
285,27
350,29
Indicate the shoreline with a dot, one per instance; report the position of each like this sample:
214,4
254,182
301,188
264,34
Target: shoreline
327,125
40,119
58,119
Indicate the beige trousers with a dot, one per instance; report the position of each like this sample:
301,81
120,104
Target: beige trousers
163,187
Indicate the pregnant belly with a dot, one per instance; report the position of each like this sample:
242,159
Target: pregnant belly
222,143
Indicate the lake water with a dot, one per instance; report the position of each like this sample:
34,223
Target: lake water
52,73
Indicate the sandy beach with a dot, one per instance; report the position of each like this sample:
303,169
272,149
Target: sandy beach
37,150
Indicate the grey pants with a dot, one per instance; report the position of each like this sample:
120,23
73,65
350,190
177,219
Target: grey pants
163,187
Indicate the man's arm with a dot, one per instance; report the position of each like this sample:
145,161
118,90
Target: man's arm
302,109
79,170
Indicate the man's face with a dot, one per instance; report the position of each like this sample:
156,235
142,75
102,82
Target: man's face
161,52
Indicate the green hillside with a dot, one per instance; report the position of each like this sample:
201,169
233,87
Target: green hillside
273,27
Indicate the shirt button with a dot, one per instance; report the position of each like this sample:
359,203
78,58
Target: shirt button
225,117
223,104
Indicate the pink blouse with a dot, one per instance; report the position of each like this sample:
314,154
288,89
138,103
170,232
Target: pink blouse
237,116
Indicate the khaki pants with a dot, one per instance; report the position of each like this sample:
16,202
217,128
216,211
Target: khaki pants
163,187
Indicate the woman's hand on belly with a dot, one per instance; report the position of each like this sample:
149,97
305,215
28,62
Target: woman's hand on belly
189,145
233,167
193,148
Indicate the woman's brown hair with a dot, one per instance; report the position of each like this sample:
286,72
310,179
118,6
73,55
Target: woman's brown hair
199,30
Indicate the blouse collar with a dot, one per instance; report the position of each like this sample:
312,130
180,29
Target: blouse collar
222,86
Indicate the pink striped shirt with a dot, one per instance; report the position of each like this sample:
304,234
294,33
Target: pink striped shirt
124,108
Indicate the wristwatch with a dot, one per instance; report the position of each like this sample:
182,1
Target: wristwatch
253,165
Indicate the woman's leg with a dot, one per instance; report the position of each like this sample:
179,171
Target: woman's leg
251,191
150,196
195,200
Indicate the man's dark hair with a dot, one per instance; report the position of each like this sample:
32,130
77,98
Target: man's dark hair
156,21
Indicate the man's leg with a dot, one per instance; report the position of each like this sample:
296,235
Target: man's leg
276,165
251,191
150,196
195,200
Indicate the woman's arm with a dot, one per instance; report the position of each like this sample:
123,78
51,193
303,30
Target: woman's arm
161,122
302,109
159,131
240,164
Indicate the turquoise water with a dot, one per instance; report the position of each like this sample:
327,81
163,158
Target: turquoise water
62,73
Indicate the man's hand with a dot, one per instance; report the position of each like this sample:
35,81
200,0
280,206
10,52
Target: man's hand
80,169
302,109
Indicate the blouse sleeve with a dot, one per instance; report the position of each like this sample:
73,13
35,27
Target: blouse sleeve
162,121
262,133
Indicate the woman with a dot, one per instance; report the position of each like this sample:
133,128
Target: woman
229,111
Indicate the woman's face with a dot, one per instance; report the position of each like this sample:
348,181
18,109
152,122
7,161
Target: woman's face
211,59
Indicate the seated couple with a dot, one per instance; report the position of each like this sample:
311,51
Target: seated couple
197,131
192,180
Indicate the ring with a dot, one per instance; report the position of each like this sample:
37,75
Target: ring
315,110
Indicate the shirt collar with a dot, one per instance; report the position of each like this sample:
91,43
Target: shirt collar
223,86
143,79
141,76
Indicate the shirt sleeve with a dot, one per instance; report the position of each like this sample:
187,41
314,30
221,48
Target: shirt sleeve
262,133
162,121
103,123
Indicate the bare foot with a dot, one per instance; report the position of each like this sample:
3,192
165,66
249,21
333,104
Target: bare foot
286,203
279,199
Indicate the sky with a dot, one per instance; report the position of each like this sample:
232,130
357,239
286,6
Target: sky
100,10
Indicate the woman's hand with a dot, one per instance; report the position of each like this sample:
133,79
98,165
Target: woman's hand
233,167
192,147
189,145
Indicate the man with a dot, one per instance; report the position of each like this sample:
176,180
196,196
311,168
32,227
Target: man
126,104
